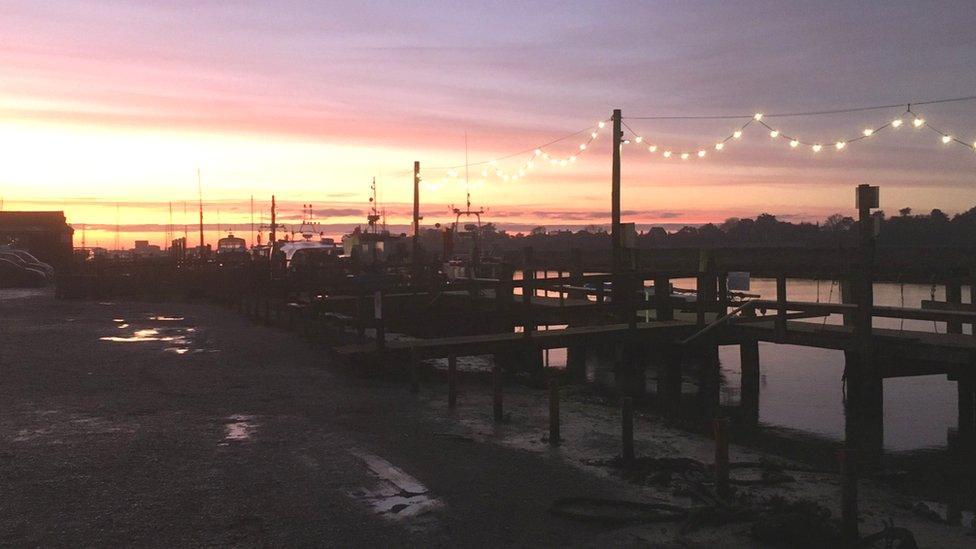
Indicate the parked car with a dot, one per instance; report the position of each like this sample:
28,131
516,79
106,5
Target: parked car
14,275
31,261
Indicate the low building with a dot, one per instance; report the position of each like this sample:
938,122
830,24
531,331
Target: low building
46,235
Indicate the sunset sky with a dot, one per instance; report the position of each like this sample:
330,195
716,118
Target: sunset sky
112,106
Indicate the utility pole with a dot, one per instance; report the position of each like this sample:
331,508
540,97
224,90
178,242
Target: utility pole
616,238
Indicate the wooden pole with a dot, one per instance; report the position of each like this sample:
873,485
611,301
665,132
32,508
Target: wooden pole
452,381
616,237
780,307
954,297
553,411
749,359
721,430
627,429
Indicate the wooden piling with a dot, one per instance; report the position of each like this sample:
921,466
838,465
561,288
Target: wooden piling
496,385
662,297
780,307
720,428
750,373
452,381
848,496
627,429
954,297
553,411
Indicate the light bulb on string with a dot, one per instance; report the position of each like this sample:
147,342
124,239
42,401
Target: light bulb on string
601,124
794,143
572,158
719,146
667,154
684,156
868,132
582,146
638,139
593,135
946,139
774,133
737,134
896,123
701,154
840,145
758,116
538,152
652,148
816,148
918,122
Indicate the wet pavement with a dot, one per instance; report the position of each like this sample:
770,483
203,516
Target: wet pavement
247,436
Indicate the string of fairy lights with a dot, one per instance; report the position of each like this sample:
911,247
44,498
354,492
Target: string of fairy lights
535,158
908,118
542,156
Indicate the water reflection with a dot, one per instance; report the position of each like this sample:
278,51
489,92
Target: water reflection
802,386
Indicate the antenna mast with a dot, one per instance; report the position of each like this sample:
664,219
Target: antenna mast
200,199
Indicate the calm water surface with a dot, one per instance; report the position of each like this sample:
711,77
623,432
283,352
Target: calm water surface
801,388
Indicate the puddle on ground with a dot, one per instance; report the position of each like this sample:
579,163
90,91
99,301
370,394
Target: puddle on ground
176,338
394,495
239,429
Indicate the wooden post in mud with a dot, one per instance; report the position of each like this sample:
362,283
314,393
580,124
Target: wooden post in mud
496,386
749,400
780,328
848,497
627,429
414,371
721,430
553,411
452,381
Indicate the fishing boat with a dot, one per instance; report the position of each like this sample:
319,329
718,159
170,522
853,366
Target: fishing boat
374,244
464,249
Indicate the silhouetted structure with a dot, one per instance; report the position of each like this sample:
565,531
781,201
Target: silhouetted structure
44,234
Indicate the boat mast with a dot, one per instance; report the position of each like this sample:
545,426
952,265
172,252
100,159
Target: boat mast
200,202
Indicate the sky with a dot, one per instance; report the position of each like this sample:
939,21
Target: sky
108,109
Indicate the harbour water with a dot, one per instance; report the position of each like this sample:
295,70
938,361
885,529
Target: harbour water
801,387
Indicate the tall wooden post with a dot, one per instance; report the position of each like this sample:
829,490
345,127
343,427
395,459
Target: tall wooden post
616,237
865,388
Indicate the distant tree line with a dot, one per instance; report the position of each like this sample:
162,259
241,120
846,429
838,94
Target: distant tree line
906,229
